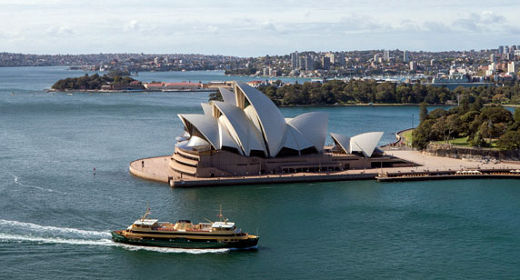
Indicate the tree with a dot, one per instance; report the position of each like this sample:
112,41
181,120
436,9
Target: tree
477,105
516,116
423,112
509,141
478,141
463,102
421,134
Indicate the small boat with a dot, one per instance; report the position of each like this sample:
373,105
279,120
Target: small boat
185,234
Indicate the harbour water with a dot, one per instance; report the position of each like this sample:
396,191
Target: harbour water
56,211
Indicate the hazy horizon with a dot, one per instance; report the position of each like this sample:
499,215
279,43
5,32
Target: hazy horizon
250,29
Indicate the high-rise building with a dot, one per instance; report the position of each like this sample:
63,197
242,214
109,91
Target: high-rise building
301,63
340,59
512,67
295,60
309,63
413,66
386,55
406,58
325,62
378,58
500,49
332,57
492,58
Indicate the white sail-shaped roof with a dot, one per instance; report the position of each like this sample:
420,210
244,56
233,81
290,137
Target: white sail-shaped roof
240,127
198,143
365,143
249,121
341,141
251,114
295,140
225,137
227,95
206,125
266,113
206,108
312,126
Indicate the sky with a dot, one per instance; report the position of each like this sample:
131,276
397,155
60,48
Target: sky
254,28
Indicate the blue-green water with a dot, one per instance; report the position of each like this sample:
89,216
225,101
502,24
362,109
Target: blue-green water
55,215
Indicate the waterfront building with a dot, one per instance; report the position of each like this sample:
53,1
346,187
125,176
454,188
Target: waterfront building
162,86
455,80
246,134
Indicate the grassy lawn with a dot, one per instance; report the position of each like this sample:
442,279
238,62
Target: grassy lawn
463,141
407,136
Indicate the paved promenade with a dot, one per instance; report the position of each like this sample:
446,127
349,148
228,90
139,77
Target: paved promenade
157,169
154,168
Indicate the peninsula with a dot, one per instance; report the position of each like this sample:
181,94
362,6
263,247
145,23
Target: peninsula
121,82
113,81
244,139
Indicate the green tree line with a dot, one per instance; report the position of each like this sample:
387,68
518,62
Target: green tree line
482,125
371,91
95,82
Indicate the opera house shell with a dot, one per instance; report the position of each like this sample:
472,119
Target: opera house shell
246,134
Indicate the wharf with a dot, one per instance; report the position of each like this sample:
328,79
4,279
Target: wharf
449,175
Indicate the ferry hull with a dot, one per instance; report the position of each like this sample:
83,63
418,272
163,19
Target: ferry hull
185,243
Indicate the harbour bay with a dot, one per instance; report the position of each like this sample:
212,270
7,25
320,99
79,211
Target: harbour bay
51,142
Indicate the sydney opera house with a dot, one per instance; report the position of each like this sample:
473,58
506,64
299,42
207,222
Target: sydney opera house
245,134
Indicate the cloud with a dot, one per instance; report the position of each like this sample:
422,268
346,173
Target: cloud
132,25
58,31
485,21
254,27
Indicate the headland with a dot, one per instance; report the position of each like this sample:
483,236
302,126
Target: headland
245,139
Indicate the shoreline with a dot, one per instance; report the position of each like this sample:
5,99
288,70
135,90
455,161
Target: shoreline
385,105
281,106
125,90
427,167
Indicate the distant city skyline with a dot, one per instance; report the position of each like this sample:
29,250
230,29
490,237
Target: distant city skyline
247,28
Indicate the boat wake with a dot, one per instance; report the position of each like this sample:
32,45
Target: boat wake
16,180
53,231
33,233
